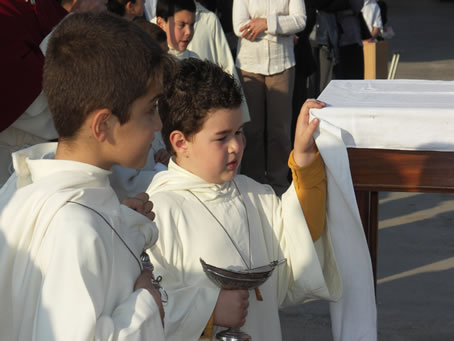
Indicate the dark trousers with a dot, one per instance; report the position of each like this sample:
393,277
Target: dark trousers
268,143
351,62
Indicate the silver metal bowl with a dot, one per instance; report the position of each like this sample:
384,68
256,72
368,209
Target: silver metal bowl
240,279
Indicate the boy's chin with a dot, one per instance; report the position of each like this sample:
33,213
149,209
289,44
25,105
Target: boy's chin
182,47
136,165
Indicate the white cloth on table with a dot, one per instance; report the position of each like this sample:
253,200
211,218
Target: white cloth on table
277,230
354,316
391,114
65,274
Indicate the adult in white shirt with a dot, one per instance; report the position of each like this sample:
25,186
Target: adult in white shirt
372,17
266,65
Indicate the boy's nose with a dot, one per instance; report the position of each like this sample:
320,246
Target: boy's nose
189,31
236,144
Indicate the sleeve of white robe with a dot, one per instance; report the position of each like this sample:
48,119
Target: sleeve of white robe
311,269
300,248
225,60
73,295
190,303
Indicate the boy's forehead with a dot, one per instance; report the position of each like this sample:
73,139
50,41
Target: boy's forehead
184,16
224,118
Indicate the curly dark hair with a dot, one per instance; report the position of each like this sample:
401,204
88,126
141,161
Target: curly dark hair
198,88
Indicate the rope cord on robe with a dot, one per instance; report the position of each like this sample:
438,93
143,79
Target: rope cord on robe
143,262
258,294
225,230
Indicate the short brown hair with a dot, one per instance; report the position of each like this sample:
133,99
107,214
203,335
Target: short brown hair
95,61
157,33
197,89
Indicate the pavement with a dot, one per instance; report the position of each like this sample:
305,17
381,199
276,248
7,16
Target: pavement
415,290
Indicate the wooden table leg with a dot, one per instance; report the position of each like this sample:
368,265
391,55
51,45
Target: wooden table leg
368,210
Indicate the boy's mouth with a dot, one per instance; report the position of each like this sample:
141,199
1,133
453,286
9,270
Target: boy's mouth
232,164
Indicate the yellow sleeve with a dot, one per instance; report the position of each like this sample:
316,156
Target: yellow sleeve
208,331
310,186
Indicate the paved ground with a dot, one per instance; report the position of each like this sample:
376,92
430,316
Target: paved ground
415,292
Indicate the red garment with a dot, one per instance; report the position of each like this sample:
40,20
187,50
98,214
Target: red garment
22,28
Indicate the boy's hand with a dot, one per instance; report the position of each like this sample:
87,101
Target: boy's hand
231,308
141,204
144,282
305,148
162,156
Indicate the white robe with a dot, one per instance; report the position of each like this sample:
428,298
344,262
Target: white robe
277,230
354,315
64,273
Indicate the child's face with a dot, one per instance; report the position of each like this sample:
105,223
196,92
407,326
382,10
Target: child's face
215,152
179,29
134,9
133,138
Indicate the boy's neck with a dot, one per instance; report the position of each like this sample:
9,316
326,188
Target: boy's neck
81,152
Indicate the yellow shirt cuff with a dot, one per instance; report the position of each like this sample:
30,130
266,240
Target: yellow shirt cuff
310,187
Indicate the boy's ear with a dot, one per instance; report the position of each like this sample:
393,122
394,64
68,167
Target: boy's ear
102,124
161,22
130,8
179,143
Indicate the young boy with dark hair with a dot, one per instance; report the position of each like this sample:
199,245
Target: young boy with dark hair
176,18
69,253
229,220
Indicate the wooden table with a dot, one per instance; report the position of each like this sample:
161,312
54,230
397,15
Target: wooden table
384,170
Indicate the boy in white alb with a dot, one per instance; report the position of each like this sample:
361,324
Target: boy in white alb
176,18
195,32
69,251
230,220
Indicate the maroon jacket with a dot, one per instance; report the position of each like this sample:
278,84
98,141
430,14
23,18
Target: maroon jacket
22,28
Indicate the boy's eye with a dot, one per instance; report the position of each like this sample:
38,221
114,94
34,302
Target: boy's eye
239,132
154,108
